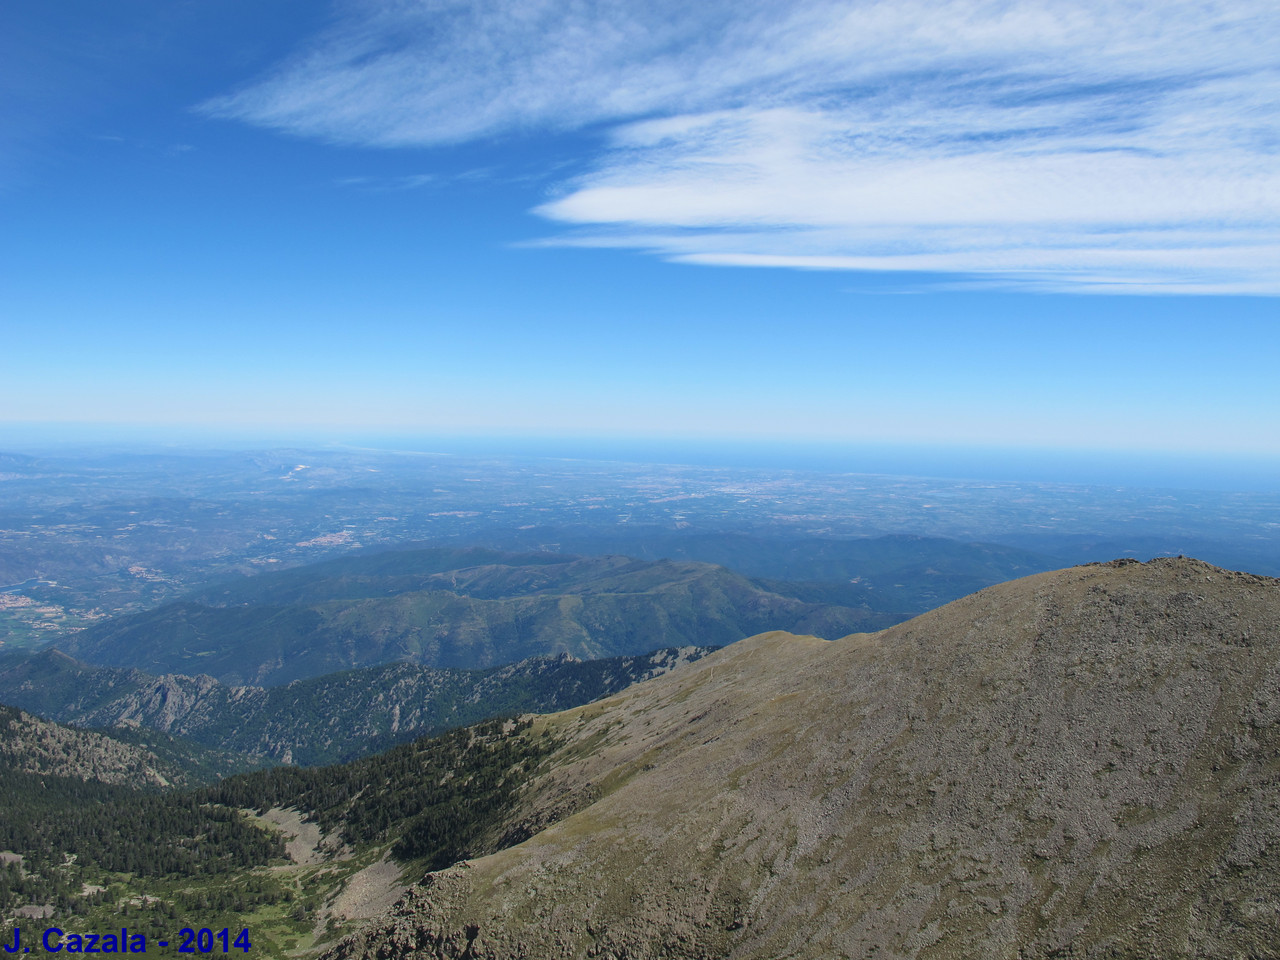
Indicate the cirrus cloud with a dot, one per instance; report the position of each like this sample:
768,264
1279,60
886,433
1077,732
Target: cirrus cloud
1068,145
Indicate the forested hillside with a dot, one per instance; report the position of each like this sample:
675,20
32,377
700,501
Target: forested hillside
462,609
156,859
322,719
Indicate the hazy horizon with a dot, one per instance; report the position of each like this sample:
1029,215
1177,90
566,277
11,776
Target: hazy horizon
871,224
1148,469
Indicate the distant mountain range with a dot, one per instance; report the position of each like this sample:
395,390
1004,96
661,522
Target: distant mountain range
897,572
338,659
457,608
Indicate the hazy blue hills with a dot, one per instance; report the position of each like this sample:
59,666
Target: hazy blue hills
896,572
447,608
373,575
320,719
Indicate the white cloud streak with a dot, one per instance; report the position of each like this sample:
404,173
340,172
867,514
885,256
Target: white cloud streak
1067,145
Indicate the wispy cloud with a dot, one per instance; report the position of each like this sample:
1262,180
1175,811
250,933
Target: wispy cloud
383,184
1078,145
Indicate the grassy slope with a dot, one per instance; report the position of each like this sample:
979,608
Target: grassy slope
1082,762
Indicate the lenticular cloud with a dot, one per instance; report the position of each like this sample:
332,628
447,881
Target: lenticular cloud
1071,145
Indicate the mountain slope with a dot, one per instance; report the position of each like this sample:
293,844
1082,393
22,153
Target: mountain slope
431,607
31,745
322,719
1080,763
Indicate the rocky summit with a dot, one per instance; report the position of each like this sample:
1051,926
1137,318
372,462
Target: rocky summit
1083,763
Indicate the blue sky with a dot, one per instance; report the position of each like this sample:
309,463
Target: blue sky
1029,225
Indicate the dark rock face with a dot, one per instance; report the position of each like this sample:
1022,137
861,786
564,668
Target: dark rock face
1082,763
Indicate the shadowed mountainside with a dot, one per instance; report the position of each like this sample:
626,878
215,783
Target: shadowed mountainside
1079,763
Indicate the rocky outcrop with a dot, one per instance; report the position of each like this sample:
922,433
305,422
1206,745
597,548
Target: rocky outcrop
174,704
325,718
1078,764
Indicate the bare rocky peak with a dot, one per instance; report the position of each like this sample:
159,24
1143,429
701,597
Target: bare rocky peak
1076,764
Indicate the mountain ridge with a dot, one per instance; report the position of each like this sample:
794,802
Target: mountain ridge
1080,763
322,719
420,606
33,745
